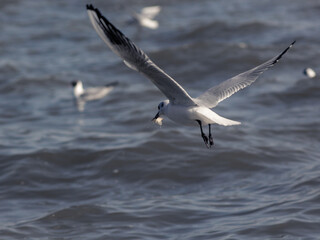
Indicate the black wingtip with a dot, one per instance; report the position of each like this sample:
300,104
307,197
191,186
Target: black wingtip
96,10
280,56
90,7
115,35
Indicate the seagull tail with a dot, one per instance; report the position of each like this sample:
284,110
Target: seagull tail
215,118
226,122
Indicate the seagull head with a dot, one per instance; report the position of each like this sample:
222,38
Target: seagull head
76,83
73,83
161,111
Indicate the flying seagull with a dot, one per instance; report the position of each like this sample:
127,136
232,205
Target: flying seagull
309,72
180,107
146,15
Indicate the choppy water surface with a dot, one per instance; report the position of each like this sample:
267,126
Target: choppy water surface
109,173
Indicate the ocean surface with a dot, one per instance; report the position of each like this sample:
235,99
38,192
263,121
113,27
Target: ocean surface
108,172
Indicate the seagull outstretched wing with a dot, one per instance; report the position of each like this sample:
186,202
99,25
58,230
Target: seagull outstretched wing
216,94
150,12
136,59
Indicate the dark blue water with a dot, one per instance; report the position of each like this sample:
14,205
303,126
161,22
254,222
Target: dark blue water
109,173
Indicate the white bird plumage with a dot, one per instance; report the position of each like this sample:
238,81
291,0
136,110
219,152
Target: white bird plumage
146,15
309,72
93,93
180,106
83,95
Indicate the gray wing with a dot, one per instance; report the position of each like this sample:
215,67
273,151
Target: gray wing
218,93
136,59
96,93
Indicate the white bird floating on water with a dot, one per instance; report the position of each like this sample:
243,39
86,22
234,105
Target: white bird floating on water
145,17
93,93
179,107
309,72
89,94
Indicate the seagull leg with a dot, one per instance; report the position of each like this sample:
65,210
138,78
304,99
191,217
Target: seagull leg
204,137
210,136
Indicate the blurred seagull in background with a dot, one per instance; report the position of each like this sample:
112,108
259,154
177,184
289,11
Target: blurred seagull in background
179,107
94,93
309,72
145,17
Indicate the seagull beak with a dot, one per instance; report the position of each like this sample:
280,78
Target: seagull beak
156,116
157,119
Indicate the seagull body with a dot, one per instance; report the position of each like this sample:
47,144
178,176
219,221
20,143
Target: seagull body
186,115
93,93
180,107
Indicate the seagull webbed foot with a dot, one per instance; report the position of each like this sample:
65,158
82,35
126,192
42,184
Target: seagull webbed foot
211,140
205,139
210,137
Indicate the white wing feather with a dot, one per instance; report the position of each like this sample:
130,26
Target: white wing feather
95,93
136,59
146,22
218,93
150,12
